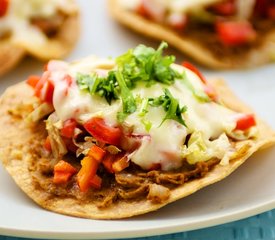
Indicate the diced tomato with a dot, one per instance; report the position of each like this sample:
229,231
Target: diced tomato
120,164
102,132
4,4
151,9
234,33
191,67
177,20
208,88
96,182
227,8
62,172
97,153
86,173
271,12
68,128
108,162
44,88
47,92
33,80
245,122
47,144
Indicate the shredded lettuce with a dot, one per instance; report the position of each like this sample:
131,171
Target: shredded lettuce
200,149
58,146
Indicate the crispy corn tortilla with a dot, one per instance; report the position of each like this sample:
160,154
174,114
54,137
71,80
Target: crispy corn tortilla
262,54
54,48
17,141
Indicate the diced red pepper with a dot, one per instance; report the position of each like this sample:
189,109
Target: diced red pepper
208,88
33,80
108,162
227,8
86,173
47,144
4,4
96,182
68,128
235,33
102,132
62,172
191,67
44,88
97,153
245,122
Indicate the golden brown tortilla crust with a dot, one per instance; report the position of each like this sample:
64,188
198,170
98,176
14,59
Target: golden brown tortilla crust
16,135
263,54
55,48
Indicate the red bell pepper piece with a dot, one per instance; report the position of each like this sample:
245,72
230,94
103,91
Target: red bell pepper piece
68,128
245,122
102,132
208,89
235,33
4,4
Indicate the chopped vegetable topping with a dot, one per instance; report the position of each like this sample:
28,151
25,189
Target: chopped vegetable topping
245,122
62,172
102,132
4,4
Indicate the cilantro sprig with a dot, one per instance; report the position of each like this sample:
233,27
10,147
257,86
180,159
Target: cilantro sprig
170,105
141,64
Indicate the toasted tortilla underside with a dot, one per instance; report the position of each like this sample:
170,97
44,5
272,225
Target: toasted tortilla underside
15,154
261,54
54,48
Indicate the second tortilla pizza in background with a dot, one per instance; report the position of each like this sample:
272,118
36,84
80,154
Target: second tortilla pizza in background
218,34
43,29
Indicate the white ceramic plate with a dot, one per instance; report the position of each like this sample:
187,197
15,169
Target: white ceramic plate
248,191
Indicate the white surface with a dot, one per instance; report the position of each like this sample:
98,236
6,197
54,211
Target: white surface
248,191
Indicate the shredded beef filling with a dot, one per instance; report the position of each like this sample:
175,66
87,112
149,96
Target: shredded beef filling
129,185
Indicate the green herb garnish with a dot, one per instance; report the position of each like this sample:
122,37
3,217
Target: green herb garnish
141,64
170,105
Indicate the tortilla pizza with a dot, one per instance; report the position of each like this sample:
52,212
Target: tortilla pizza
219,34
114,138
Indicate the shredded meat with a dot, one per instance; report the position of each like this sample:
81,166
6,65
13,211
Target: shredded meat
136,193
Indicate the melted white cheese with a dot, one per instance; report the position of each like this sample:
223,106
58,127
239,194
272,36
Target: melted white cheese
161,144
17,19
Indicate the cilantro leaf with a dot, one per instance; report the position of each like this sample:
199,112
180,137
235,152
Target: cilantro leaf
170,105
